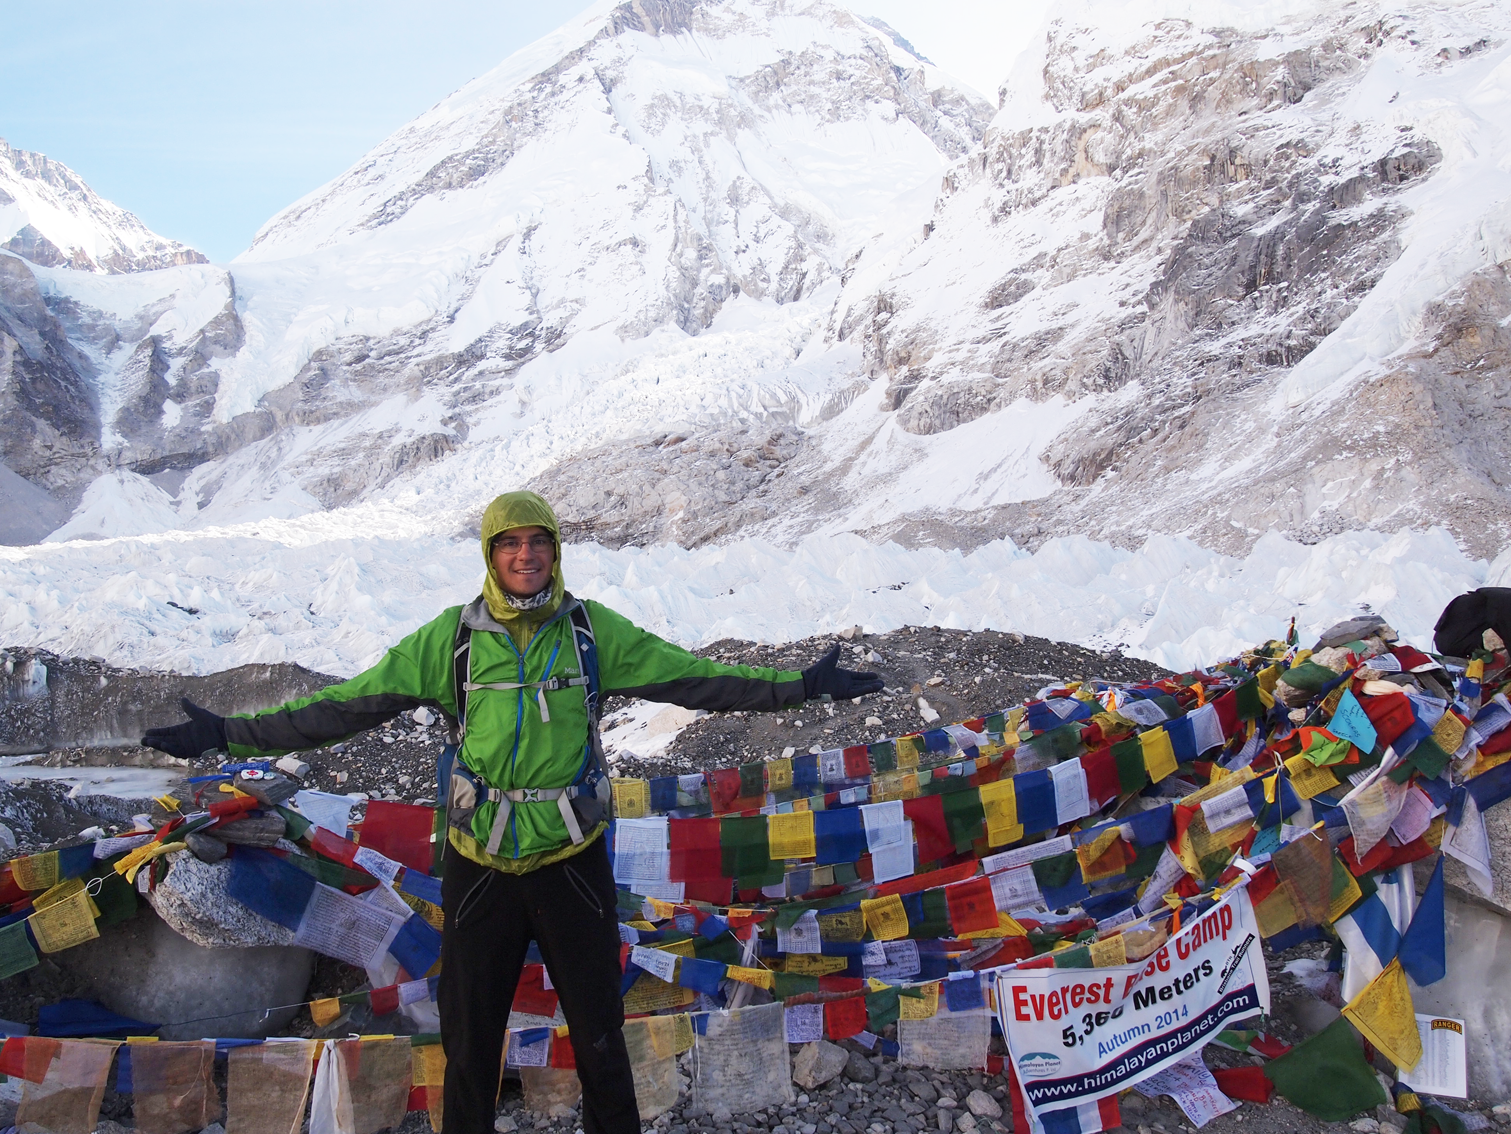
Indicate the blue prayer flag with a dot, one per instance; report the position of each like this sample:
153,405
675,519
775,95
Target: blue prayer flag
417,946
268,885
1035,792
1424,945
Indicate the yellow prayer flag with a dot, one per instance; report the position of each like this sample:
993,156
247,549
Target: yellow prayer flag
1089,856
1384,1013
1159,754
761,978
801,805
1307,779
887,786
1449,733
1108,951
684,1032
36,871
779,775
791,836
907,751
910,789
64,924
661,910
815,964
1345,891
920,1008
1015,717
820,877
886,918
1271,786
1000,802
1005,927
632,798
427,1063
325,1012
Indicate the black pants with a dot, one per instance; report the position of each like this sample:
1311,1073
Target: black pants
568,909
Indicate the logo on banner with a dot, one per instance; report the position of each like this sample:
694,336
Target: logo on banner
1078,1035
1038,1065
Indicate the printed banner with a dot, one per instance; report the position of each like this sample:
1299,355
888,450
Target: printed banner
1077,1035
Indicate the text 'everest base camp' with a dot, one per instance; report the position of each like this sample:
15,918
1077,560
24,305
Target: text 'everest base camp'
993,614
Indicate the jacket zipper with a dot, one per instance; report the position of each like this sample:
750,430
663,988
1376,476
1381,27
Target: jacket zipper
519,711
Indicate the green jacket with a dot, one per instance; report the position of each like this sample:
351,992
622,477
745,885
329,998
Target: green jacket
507,744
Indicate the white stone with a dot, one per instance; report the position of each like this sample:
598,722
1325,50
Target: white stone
504,1124
816,1063
982,1105
293,766
424,716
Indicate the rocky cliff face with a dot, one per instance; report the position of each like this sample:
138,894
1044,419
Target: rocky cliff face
706,267
1270,262
51,217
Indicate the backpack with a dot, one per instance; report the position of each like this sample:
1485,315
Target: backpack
1462,625
586,801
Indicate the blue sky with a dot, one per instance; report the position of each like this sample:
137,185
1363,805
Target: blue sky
206,118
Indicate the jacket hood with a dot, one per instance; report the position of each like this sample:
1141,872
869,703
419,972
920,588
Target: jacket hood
519,510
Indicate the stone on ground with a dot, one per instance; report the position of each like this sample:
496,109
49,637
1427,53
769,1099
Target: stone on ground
982,1105
817,1063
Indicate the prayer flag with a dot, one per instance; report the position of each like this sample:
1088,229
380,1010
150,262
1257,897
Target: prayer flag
401,831
1383,1012
1159,755
999,803
1327,1076
1424,950
792,835
885,917
845,1018
971,906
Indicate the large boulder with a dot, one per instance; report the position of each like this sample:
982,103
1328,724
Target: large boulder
194,901
144,969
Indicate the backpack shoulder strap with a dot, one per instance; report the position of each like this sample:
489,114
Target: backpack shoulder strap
461,673
586,646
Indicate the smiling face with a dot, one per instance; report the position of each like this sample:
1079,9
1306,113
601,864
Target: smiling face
522,559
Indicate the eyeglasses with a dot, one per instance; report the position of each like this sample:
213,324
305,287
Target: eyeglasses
510,545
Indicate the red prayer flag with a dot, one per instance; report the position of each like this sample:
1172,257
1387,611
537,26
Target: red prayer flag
563,1054
401,831
333,846
419,1099
694,850
27,1057
845,1018
915,882
1227,712
857,762
1013,949
972,907
832,983
1371,862
384,1000
1101,775
1390,713
1248,1083
723,788
531,994
927,814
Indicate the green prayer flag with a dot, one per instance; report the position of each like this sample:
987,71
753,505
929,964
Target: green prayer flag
936,916
1055,871
964,817
1308,677
1433,1119
881,1009
117,898
1250,707
1327,1076
727,949
1145,859
1427,757
996,724
788,985
845,874
883,756
1129,757
743,847
298,826
1170,705
752,780
16,953
1057,744
1077,957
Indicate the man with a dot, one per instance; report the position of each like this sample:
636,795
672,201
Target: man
526,857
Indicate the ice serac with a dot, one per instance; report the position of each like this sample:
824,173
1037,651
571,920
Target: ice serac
51,217
1261,249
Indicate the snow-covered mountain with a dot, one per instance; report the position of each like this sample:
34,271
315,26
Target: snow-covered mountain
699,268
49,216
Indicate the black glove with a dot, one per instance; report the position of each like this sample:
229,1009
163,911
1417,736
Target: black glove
201,733
824,677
